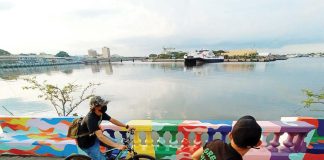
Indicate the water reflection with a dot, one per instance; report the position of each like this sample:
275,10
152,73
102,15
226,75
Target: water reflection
174,91
241,67
209,68
14,73
108,69
168,66
96,68
202,69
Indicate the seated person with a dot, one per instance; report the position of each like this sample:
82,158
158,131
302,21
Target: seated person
245,135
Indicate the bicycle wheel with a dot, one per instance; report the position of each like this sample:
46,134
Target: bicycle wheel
78,157
142,157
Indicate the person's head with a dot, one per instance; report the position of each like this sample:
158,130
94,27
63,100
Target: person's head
97,104
246,133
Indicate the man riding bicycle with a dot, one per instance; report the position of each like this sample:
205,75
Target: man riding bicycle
90,143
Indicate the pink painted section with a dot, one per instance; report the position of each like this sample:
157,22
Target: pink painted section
258,154
268,126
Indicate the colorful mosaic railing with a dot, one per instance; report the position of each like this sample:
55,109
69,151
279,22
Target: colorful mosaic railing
271,148
36,136
315,148
163,139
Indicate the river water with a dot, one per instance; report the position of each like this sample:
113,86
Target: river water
143,90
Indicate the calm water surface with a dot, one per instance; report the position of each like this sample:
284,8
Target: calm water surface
172,91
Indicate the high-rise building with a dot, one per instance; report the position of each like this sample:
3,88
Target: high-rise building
105,52
92,53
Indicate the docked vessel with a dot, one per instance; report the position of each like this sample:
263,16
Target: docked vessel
202,56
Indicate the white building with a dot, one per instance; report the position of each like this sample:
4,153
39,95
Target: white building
105,52
92,53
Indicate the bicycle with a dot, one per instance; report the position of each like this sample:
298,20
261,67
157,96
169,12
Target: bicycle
115,154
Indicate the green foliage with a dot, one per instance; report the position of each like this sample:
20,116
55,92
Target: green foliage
178,55
253,55
153,55
62,54
4,53
313,98
218,53
164,56
175,55
62,99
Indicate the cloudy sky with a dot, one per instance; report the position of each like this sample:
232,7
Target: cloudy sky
141,27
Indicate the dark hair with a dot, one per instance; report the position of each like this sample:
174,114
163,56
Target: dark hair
246,132
96,101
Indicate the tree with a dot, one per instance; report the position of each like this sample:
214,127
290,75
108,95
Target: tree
313,98
218,53
61,98
4,53
164,56
153,55
178,55
62,54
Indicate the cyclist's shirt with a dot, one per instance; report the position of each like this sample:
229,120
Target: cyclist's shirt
90,125
218,150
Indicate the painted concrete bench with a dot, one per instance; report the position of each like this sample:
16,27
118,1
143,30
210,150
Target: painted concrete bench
163,139
36,136
315,148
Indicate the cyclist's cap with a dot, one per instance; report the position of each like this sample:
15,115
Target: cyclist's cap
246,132
98,101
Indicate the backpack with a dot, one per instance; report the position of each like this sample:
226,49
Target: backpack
73,129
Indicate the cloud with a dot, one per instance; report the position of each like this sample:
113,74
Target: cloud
5,5
142,27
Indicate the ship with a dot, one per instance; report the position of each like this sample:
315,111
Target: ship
202,56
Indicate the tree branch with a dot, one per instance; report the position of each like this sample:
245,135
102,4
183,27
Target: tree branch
62,96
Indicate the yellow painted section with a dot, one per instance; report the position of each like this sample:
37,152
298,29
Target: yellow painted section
143,126
21,121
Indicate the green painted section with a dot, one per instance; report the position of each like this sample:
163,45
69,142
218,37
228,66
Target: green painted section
316,138
163,151
296,156
166,125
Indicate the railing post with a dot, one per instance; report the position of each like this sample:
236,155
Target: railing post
197,141
211,135
173,141
185,141
299,144
137,140
288,143
161,140
264,139
224,134
275,142
148,139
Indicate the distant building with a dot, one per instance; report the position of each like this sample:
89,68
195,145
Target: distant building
45,55
241,52
167,50
92,53
265,54
105,52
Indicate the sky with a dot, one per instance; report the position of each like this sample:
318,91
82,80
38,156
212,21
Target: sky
143,27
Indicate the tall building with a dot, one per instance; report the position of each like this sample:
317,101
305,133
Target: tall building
92,53
105,52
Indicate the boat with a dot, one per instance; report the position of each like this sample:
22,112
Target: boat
202,56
